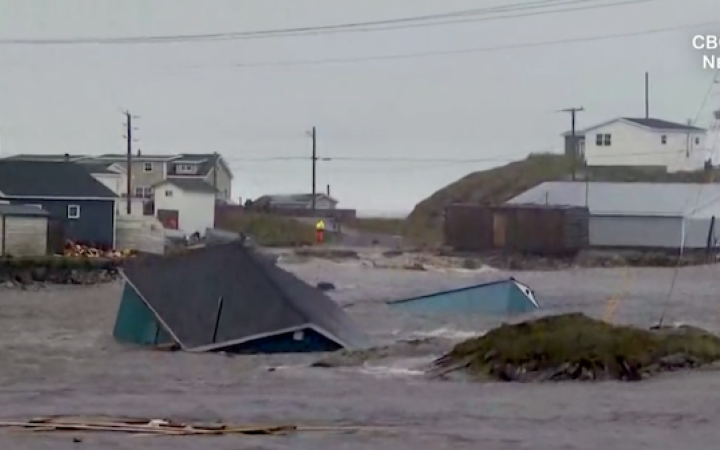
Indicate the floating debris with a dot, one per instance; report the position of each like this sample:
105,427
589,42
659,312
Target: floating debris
163,427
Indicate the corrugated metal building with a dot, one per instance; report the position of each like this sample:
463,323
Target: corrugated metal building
23,230
638,215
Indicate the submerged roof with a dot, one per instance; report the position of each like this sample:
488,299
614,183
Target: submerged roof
259,299
607,198
503,296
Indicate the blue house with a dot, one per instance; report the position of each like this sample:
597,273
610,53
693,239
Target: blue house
66,190
500,298
227,297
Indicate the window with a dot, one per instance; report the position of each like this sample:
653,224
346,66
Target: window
184,168
663,139
168,193
603,140
143,192
73,212
148,167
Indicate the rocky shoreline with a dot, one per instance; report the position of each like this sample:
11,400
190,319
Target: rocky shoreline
21,273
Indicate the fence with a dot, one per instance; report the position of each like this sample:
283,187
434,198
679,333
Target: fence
229,213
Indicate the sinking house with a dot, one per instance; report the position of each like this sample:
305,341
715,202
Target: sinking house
228,297
503,297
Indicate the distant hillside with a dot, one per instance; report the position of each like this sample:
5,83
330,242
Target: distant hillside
500,184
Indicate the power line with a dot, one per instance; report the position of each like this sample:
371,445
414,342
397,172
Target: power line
364,159
489,49
545,7
473,50
683,230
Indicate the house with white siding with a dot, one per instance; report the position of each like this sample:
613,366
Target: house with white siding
187,205
640,142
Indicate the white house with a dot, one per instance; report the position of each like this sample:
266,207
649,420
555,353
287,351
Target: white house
627,141
185,204
114,177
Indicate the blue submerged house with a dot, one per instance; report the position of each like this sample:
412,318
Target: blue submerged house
83,205
227,297
502,298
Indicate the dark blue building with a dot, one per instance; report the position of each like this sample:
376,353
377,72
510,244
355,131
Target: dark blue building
73,197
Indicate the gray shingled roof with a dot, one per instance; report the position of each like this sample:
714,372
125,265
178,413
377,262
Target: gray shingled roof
49,179
22,210
605,198
660,124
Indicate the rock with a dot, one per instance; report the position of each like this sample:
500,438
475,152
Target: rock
576,347
325,286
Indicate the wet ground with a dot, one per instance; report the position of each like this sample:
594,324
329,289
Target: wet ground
57,357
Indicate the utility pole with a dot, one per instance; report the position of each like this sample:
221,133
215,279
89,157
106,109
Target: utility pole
573,137
313,135
647,95
129,141
215,178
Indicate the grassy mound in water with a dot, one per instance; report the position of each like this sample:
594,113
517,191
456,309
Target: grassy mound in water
576,347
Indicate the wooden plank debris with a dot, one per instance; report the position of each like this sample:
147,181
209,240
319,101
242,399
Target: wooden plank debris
161,427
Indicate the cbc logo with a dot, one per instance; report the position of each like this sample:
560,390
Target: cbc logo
705,42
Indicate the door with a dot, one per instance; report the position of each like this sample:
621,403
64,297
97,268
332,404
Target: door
499,230
169,218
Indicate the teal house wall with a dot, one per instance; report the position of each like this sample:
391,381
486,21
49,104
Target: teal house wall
505,297
136,323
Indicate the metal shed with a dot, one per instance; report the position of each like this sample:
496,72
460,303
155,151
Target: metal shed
23,230
638,215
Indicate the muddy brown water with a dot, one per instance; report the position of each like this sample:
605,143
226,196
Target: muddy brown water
57,357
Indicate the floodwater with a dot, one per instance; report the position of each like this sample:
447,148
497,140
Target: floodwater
57,357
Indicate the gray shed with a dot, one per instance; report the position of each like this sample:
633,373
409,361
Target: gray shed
23,230
638,215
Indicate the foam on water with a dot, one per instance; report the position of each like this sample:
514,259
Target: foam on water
448,333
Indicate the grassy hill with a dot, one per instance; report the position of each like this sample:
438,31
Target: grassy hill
500,184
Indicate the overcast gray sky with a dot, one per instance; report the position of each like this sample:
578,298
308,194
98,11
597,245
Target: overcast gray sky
198,97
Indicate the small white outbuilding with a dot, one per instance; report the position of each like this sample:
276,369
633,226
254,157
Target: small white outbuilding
23,230
187,205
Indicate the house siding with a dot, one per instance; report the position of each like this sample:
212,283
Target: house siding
224,183
649,232
96,225
499,298
196,211
23,236
141,178
136,323
637,146
114,182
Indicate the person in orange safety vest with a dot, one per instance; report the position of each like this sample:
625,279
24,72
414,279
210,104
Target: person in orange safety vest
320,231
